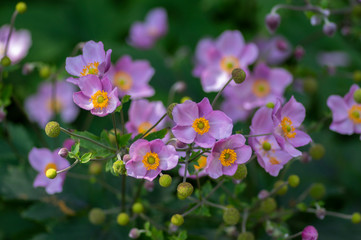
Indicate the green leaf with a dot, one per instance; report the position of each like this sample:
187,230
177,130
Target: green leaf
125,99
181,236
240,188
42,211
124,140
203,211
157,234
75,149
87,144
156,135
118,109
86,157
148,233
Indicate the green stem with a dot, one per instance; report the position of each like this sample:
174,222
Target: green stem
186,160
70,167
150,129
294,236
115,130
220,92
258,135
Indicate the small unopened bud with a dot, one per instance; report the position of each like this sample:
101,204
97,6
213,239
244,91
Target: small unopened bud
63,152
317,191
281,45
184,190
119,167
165,180
320,213
246,236
126,158
305,158
149,186
5,61
123,219
317,151
329,29
231,216
179,87
266,146
28,68
51,173
273,21
356,76
44,72
241,172
310,85
95,168
263,194
268,205
309,233
134,233
270,105
185,99
52,129
238,75
96,216
357,95
282,190
21,7
138,208
293,180
356,218
177,220
299,52
180,144
170,110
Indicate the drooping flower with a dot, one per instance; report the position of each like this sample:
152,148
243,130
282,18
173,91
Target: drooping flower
96,95
145,34
346,113
148,159
42,159
143,115
286,120
215,60
43,106
132,77
199,168
93,61
226,155
275,50
197,122
19,44
269,154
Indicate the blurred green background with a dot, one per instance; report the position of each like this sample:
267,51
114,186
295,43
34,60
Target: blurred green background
57,26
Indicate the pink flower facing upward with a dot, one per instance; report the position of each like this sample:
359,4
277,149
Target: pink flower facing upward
148,159
132,77
197,122
42,159
144,34
346,113
215,60
143,115
226,155
269,153
96,95
94,61
286,120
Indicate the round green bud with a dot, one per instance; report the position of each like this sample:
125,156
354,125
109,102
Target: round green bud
317,151
317,191
184,190
302,207
356,218
357,95
293,180
5,61
170,110
119,167
310,85
268,205
357,76
123,219
246,236
138,208
266,146
231,216
270,105
282,190
51,173
52,129
96,216
21,7
95,168
177,220
165,180
238,75
44,72
241,172
185,99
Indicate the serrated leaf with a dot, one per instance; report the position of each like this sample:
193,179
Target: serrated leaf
86,157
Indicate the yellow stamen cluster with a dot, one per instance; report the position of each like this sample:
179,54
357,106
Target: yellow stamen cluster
355,114
151,161
202,162
91,68
49,166
261,88
54,105
274,161
201,125
100,99
144,126
229,63
287,128
123,80
228,157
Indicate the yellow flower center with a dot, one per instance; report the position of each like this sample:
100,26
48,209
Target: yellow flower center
50,165
287,128
228,157
274,161
100,99
91,68
229,63
355,114
54,105
202,162
144,126
151,161
261,88
123,80
201,125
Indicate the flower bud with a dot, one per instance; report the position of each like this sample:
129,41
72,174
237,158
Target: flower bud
5,61
273,21
270,105
119,167
316,20
179,86
63,152
305,158
95,168
52,129
317,191
293,180
317,151
238,75
170,110
21,7
309,233
96,216
263,194
268,205
149,186
51,173
299,52
266,146
185,99
357,96
177,220
356,218
44,72
134,233
123,219
28,68
180,144
126,158
165,180
231,216
310,85
356,76
282,190
138,208
184,190
329,29
281,45
241,172
320,213
246,236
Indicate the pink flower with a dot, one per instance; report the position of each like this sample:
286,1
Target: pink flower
215,60
96,95
275,50
309,233
197,122
148,159
233,104
226,155
346,113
